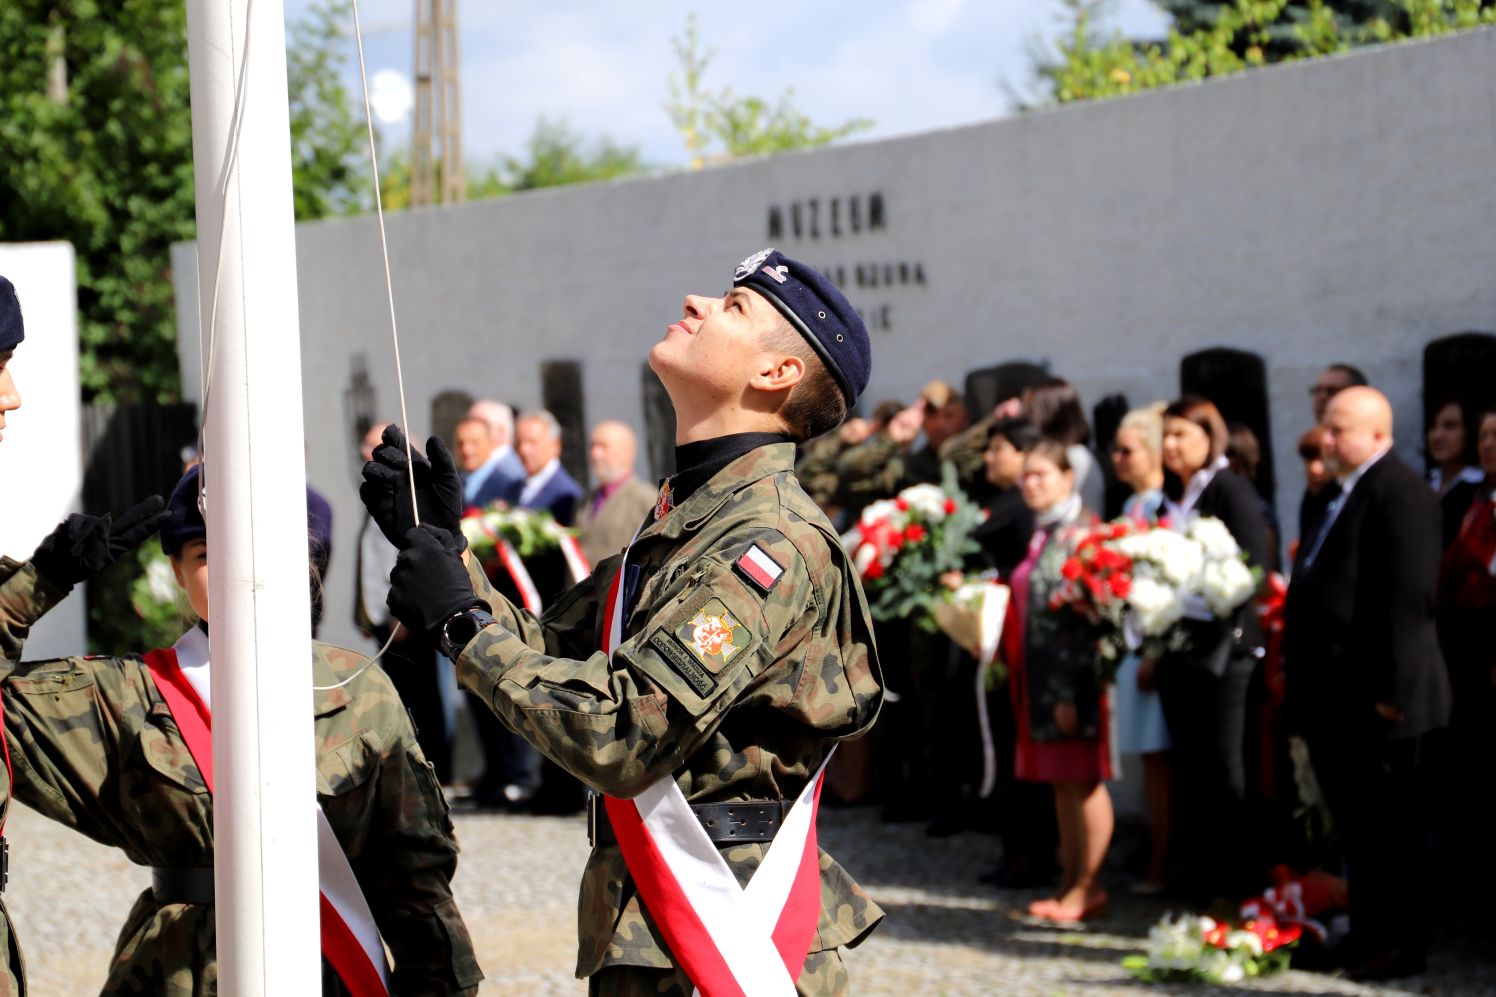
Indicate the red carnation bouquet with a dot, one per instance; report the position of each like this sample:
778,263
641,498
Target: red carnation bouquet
901,547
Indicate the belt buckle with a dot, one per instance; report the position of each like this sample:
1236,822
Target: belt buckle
592,818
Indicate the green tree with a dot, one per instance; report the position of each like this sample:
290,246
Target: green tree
740,126
1216,39
555,155
96,149
329,141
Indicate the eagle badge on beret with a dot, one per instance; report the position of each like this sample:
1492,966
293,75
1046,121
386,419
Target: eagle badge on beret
752,263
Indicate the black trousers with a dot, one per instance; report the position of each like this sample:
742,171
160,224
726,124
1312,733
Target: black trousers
1375,791
1215,837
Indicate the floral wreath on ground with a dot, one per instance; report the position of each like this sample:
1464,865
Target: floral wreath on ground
1200,949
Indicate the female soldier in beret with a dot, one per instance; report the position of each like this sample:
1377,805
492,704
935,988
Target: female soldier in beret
98,745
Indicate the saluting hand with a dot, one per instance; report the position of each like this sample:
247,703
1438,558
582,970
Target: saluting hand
438,492
82,546
429,583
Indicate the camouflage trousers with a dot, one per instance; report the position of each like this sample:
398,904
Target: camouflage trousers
824,976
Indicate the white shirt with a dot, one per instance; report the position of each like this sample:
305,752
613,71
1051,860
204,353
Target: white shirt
1467,475
535,482
1196,486
192,659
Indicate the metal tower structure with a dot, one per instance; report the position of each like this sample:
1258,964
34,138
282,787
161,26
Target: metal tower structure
436,172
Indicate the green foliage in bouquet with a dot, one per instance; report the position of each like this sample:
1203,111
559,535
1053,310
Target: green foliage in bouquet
529,531
929,545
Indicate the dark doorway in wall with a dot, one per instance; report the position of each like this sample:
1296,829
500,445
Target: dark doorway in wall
1236,381
1106,416
987,387
1460,367
659,426
561,395
447,410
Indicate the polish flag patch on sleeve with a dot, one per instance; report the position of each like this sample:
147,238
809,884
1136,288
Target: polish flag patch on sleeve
760,569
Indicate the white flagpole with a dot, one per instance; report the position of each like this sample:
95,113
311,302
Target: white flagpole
265,867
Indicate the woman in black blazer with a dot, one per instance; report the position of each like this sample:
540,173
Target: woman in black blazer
1205,690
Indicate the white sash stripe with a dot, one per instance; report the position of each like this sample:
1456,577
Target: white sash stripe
340,886
740,921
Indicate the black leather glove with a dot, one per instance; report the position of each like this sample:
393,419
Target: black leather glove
386,489
429,582
82,546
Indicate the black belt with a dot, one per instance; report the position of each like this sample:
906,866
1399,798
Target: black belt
4,863
182,886
739,822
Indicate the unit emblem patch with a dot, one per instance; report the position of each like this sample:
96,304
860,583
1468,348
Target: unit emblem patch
713,636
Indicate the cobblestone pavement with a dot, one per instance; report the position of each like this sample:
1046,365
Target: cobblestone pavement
516,884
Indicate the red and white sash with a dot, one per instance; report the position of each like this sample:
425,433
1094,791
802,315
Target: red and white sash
732,941
350,938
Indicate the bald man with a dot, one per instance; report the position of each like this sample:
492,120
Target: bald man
1366,681
616,505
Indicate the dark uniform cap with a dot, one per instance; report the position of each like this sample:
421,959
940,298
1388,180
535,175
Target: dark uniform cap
818,311
186,522
11,329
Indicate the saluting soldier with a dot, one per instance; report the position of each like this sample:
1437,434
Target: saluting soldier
12,331
119,749
699,680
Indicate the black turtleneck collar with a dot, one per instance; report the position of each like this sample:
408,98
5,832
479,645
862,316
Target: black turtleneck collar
700,460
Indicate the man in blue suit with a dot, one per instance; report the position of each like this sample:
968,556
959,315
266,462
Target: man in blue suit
488,463
546,486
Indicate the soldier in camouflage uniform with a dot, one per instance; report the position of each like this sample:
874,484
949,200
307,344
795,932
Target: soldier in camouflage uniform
95,747
752,721
12,331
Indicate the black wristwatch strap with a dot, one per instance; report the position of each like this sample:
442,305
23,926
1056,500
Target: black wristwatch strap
460,628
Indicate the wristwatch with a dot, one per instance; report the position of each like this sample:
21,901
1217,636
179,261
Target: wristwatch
460,628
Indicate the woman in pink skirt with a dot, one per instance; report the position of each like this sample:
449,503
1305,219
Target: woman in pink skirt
1058,697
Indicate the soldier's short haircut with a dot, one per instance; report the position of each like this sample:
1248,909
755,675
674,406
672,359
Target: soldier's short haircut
816,405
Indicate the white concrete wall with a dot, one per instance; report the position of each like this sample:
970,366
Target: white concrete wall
1343,209
41,460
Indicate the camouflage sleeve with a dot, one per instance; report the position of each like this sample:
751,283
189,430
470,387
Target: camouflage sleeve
25,597
620,723
64,730
406,871
869,471
566,628
966,450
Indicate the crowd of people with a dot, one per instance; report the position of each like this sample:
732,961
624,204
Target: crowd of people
1371,651
1381,662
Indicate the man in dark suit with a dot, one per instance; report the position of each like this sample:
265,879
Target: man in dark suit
1366,681
547,485
488,464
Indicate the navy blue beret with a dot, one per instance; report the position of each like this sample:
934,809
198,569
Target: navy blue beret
818,311
186,522
11,329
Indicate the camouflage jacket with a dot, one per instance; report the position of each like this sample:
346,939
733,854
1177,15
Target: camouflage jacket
816,470
94,747
24,596
751,721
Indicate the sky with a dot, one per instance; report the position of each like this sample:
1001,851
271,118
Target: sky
604,66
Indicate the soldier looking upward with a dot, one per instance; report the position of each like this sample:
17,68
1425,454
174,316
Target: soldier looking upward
699,680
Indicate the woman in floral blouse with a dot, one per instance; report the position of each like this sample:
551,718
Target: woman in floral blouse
1058,697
